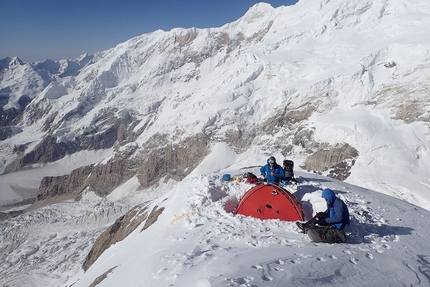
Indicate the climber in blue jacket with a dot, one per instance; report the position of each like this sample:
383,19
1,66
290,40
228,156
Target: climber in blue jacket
336,216
272,172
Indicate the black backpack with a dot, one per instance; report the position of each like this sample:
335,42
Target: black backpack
288,163
288,166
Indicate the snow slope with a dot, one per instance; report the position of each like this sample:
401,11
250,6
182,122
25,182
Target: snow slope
362,65
195,242
356,70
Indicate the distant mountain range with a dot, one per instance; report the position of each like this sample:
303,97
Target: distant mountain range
340,87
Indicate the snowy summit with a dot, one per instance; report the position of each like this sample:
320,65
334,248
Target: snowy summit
190,240
112,163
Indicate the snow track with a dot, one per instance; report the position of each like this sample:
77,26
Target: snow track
195,242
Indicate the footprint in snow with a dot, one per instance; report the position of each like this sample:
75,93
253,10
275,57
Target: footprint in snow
381,248
280,262
353,260
295,261
369,255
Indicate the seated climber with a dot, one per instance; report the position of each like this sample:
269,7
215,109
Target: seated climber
272,172
328,226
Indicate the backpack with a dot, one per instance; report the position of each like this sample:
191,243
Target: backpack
250,177
288,166
288,163
226,177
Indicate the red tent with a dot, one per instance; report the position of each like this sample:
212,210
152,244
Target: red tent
266,201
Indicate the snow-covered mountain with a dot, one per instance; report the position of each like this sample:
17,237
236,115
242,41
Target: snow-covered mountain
340,87
186,238
195,242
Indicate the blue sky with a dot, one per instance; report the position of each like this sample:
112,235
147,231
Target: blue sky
35,30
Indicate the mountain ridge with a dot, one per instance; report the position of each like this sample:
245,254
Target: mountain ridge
124,151
165,90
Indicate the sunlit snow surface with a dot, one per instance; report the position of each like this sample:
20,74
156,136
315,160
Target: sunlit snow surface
347,45
195,242
346,71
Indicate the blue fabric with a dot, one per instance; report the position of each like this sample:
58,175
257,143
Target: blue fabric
337,210
266,171
226,177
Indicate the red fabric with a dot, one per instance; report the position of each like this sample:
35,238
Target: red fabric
266,201
251,179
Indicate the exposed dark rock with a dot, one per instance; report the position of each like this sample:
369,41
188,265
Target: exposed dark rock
102,277
8,215
240,139
287,118
151,164
105,178
5,132
49,122
390,65
7,116
168,160
338,160
408,101
122,227
341,171
410,111
50,149
37,111
101,178
12,115
72,183
303,138
152,217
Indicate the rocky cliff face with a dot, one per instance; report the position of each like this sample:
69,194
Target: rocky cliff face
160,101
122,227
158,159
309,84
338,160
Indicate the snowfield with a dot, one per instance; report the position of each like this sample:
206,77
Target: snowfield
196,242
288,82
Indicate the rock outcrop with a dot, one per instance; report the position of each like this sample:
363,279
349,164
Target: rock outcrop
337,160
149,163
122,227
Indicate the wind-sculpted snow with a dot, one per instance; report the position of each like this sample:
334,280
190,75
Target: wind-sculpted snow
196,242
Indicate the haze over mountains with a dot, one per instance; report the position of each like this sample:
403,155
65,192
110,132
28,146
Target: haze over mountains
340,87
